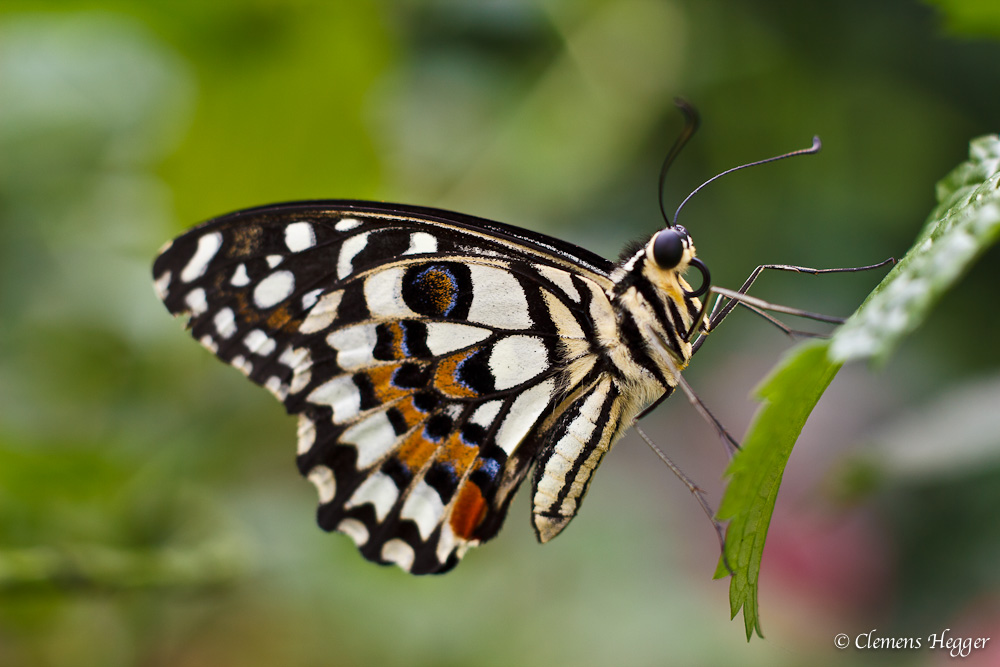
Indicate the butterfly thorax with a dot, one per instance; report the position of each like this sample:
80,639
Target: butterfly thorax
654,311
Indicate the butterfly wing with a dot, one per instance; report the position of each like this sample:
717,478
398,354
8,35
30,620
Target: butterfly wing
427,354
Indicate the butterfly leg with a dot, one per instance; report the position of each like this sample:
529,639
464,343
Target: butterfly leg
731,443
741,298
696,491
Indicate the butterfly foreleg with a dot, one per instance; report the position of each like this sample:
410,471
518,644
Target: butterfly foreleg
726,300
696,491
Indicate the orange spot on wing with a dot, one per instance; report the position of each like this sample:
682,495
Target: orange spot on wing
396,331
282,319
439,289
381,379
446,376
415,451
468,511
469,506
458,454
245,311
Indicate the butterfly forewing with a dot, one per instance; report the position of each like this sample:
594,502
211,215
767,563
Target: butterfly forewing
429,356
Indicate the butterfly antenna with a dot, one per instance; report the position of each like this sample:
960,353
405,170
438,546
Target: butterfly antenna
816,145
691,122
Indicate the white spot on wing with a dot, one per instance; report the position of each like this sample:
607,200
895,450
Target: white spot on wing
225,322
373,437
162,284
498,300
348,251
486,413
274,260
421,243
300,379
208,246
524,412
302,367
341,394
326,485
240,277
299,236
322,314
309,299
447,542
423,506
306,433
384,294
445,337
294,357
347,224
242,363
274,289
399,552
196,301
379,490
259,342
355,346
355,530
516,359
276,387
209,342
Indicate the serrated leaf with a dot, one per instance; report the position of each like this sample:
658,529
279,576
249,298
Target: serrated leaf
963,225
789,395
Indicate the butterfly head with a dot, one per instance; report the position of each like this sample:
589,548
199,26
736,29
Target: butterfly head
669,253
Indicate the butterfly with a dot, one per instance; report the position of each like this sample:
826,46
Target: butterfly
435,358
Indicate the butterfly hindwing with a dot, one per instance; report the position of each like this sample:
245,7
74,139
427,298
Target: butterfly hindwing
426,354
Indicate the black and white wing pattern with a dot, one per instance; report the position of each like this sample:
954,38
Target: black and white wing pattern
432,358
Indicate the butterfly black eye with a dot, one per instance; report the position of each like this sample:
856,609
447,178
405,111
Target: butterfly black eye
668,248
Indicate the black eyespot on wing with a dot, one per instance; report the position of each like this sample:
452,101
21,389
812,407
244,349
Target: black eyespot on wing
441,290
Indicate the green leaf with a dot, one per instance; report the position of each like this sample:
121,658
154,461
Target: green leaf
963,225
788,394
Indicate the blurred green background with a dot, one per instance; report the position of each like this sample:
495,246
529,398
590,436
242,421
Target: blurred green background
150,512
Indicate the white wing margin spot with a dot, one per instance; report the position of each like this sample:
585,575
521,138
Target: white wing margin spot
341,394
379,490
399,552
373,437
322,478
423,507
